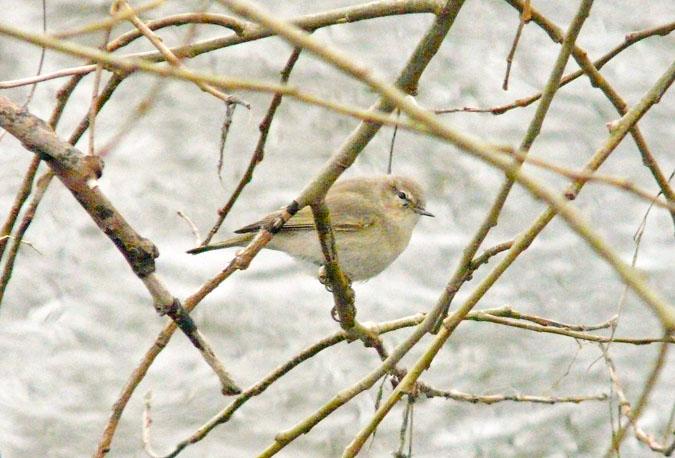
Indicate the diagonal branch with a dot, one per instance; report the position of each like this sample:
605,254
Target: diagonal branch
123,5
597,80
246,32
259,151
406,385
79,174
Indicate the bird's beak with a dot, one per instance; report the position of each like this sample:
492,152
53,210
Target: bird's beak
422,211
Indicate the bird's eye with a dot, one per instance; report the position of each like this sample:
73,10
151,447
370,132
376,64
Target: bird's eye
402,195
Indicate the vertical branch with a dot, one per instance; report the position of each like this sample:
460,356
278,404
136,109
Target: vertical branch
338,283
93,108
525,17
336,280
393,143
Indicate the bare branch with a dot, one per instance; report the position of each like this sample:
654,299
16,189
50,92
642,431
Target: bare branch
79,174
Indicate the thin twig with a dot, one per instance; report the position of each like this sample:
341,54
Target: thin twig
597,80
147,422
568,332
310,22
28,216
586,175
487,255
632,414
393,142
259,152
508,312
123,5
525,17
93,111
630,40
21,196
192,225
224,130
118,15
495,398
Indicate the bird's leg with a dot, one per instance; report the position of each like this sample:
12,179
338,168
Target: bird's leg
334,314
323,278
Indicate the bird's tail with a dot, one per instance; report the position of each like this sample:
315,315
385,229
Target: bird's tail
237,240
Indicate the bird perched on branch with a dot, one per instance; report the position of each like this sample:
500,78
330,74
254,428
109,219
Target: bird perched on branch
372,218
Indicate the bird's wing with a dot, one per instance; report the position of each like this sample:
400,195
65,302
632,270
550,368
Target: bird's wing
347,213
351,211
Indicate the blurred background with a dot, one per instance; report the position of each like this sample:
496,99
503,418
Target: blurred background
75,322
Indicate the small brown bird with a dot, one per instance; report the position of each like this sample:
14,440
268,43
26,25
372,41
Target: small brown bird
373,219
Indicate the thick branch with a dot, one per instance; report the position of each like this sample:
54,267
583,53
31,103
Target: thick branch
79,174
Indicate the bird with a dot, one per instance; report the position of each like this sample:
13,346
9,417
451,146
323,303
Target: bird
372,218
